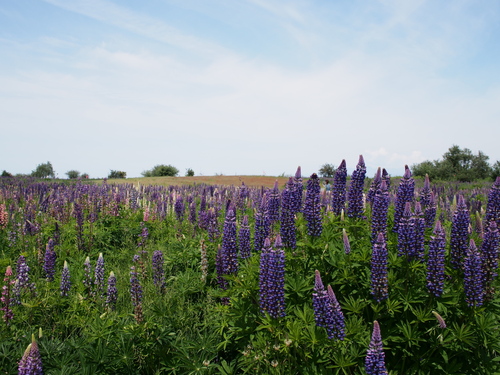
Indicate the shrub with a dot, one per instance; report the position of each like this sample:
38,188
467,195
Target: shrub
73,174
44,170
161,170
189,172
117,174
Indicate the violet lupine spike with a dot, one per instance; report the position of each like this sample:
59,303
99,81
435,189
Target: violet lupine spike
439,318
229,245
299,189
375,357
327,312
405,193
478,227
179,208
345,240
380,208
49,264
374,186
489,258
459,237
425,193
339,189
192,212
99,277
379,283
87,275
473,277
143,237
312,207
355,206
136,295
262,225
244,239
22,280
31,362
493,205
435,261
419,222
337,329
288,229
406,234
65,285
158,271
273,205
204,261
272,279
430,211
112,292
386,177
265,255
6,299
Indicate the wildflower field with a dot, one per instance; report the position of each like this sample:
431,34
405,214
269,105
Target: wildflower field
375,276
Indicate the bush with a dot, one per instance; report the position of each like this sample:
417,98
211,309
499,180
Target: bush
117,174
44,170
73,174
161,170
327,170
6,174
189,172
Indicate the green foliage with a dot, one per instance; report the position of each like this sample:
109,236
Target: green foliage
6,174
161,170
117,174
327,170
73,174
457,165
44,170
189,172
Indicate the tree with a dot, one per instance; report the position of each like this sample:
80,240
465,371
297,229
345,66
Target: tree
73,174
495,170
6,174
43,170
161,170
327,170
189,172
117,174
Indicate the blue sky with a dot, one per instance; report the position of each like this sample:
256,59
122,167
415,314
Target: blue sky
245,86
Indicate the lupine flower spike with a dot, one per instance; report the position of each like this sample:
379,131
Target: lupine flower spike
347,245
375,357
112,291
65,280
6,299
31,362
441,322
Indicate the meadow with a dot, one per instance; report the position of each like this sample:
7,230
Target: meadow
250,275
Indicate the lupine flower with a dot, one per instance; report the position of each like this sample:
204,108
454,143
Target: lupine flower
192,212
386,177
262,225
143,236
312,207
31,362
419,225
65,285
220,269
459,233
158,271
146,214
244,239
380,209
288,229
406,234
327,311
345,239
273,204
99,277
112,291
489,255
213,224
473,276
374,186
375,358
6,298
299,188
4,217
136,295
355,206
339,189
442,323
272,279
435,261
425,193
430,211
22,279
379,284
478,227
49,265
493,205
229,245
179,207
405,193
87,275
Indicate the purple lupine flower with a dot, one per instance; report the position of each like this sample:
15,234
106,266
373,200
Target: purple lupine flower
192,212
489,255
244,239
213,224
380,209
136,295
387,178
242,196
6,298
143,236
22,279
419,223
49,265
87,275
99,277
441,322
299,188
425,193
374,186
345,240
312,207
262,225
179,207
430,211
65,285
375,358
31,362
435,261
273,204
406,234
288,230
272,279
493,205
405,194
78,214
478,225
355,206
379,283
158,271
229,245
337,315
112,291
473,276
339,189
220,269
459,236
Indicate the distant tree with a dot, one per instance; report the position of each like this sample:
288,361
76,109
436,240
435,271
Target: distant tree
73,174
43,170
6,174
495,170
327,170
161,170
189,172
117,174
84,175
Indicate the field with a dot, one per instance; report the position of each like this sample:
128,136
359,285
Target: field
206,275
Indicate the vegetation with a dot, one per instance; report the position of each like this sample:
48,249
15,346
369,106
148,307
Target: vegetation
117,174
73,174
327,170
189,172
161,170
44,170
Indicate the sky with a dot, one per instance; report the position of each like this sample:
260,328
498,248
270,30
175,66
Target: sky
246,87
